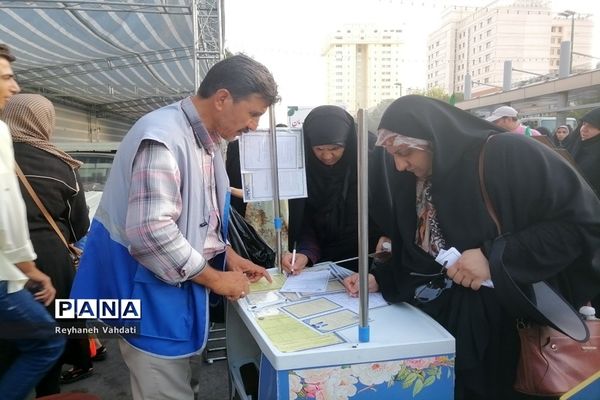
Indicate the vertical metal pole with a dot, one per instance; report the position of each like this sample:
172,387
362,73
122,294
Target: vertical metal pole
572,37
275,182
564,70
468,84
363,225
507,78
221,28
196,32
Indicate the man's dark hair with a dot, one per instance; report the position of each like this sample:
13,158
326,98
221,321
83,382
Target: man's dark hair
241,76
5,53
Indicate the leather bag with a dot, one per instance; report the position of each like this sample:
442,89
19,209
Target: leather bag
551,363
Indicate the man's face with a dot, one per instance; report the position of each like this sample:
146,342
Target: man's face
237,117
505,122
588,131
8,85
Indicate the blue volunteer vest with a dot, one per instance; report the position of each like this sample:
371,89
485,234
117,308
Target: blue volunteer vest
174,320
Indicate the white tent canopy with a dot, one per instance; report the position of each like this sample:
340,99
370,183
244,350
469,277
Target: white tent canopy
115,58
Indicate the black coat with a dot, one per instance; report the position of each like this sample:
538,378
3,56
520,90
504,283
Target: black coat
59,188
551,218
330,213
588,161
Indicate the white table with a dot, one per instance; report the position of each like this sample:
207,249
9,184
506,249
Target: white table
408,353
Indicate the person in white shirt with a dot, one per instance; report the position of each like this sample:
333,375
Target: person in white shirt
506,117
26,325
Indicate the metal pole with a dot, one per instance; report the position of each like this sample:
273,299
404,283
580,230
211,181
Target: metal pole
572,37
507,78
196,33
275,182
468,84
564,70
363,226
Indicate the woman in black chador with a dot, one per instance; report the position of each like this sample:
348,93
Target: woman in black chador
587,148
587,156
324,226
550,218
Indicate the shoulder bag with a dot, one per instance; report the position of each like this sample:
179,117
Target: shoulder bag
74,251
550,362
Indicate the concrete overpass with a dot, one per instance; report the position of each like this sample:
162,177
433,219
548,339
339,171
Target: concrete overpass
556,97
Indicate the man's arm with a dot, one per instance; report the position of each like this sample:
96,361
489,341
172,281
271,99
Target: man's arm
155,239
154,207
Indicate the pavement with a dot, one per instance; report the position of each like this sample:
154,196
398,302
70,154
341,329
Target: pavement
110,380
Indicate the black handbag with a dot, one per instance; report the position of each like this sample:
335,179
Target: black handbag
247,242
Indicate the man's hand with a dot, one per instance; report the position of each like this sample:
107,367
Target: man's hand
232,284
254,272
47,292
351,284
471,269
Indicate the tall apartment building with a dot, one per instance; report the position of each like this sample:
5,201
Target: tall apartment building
365,65
479,40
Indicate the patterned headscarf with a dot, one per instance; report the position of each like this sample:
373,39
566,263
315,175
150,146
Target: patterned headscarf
428,236
389,138
31,120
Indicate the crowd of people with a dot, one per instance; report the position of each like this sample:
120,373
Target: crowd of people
159,234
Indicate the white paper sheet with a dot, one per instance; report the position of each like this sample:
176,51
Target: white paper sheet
307,282
353,303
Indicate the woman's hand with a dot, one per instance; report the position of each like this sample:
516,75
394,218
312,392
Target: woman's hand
300,262
351,284
471,269
384,245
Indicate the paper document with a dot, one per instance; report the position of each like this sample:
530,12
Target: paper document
263,284
311,307
264,299
333,321
353,303
288,334
256,165
306,282
447,258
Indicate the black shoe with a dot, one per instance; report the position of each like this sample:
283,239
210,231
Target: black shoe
100,354
75,374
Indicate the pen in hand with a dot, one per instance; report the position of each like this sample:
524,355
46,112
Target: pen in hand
293,258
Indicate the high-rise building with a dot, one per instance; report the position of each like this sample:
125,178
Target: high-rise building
365,65
478,41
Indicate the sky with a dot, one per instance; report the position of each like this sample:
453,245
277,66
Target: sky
289,37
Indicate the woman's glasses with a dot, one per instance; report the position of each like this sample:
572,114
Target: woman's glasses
434,288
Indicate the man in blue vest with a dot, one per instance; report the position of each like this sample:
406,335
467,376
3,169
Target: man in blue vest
157,233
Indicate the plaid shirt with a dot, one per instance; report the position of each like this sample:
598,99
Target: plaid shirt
154,207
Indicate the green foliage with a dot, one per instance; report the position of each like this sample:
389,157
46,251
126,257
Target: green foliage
436,93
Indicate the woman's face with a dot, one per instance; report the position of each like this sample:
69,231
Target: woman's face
561,133
588,131
413,160
328,154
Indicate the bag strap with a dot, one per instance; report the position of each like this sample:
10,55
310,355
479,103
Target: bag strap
41,206
486,197
528,131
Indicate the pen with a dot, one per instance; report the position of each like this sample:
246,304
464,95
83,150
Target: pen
293,257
